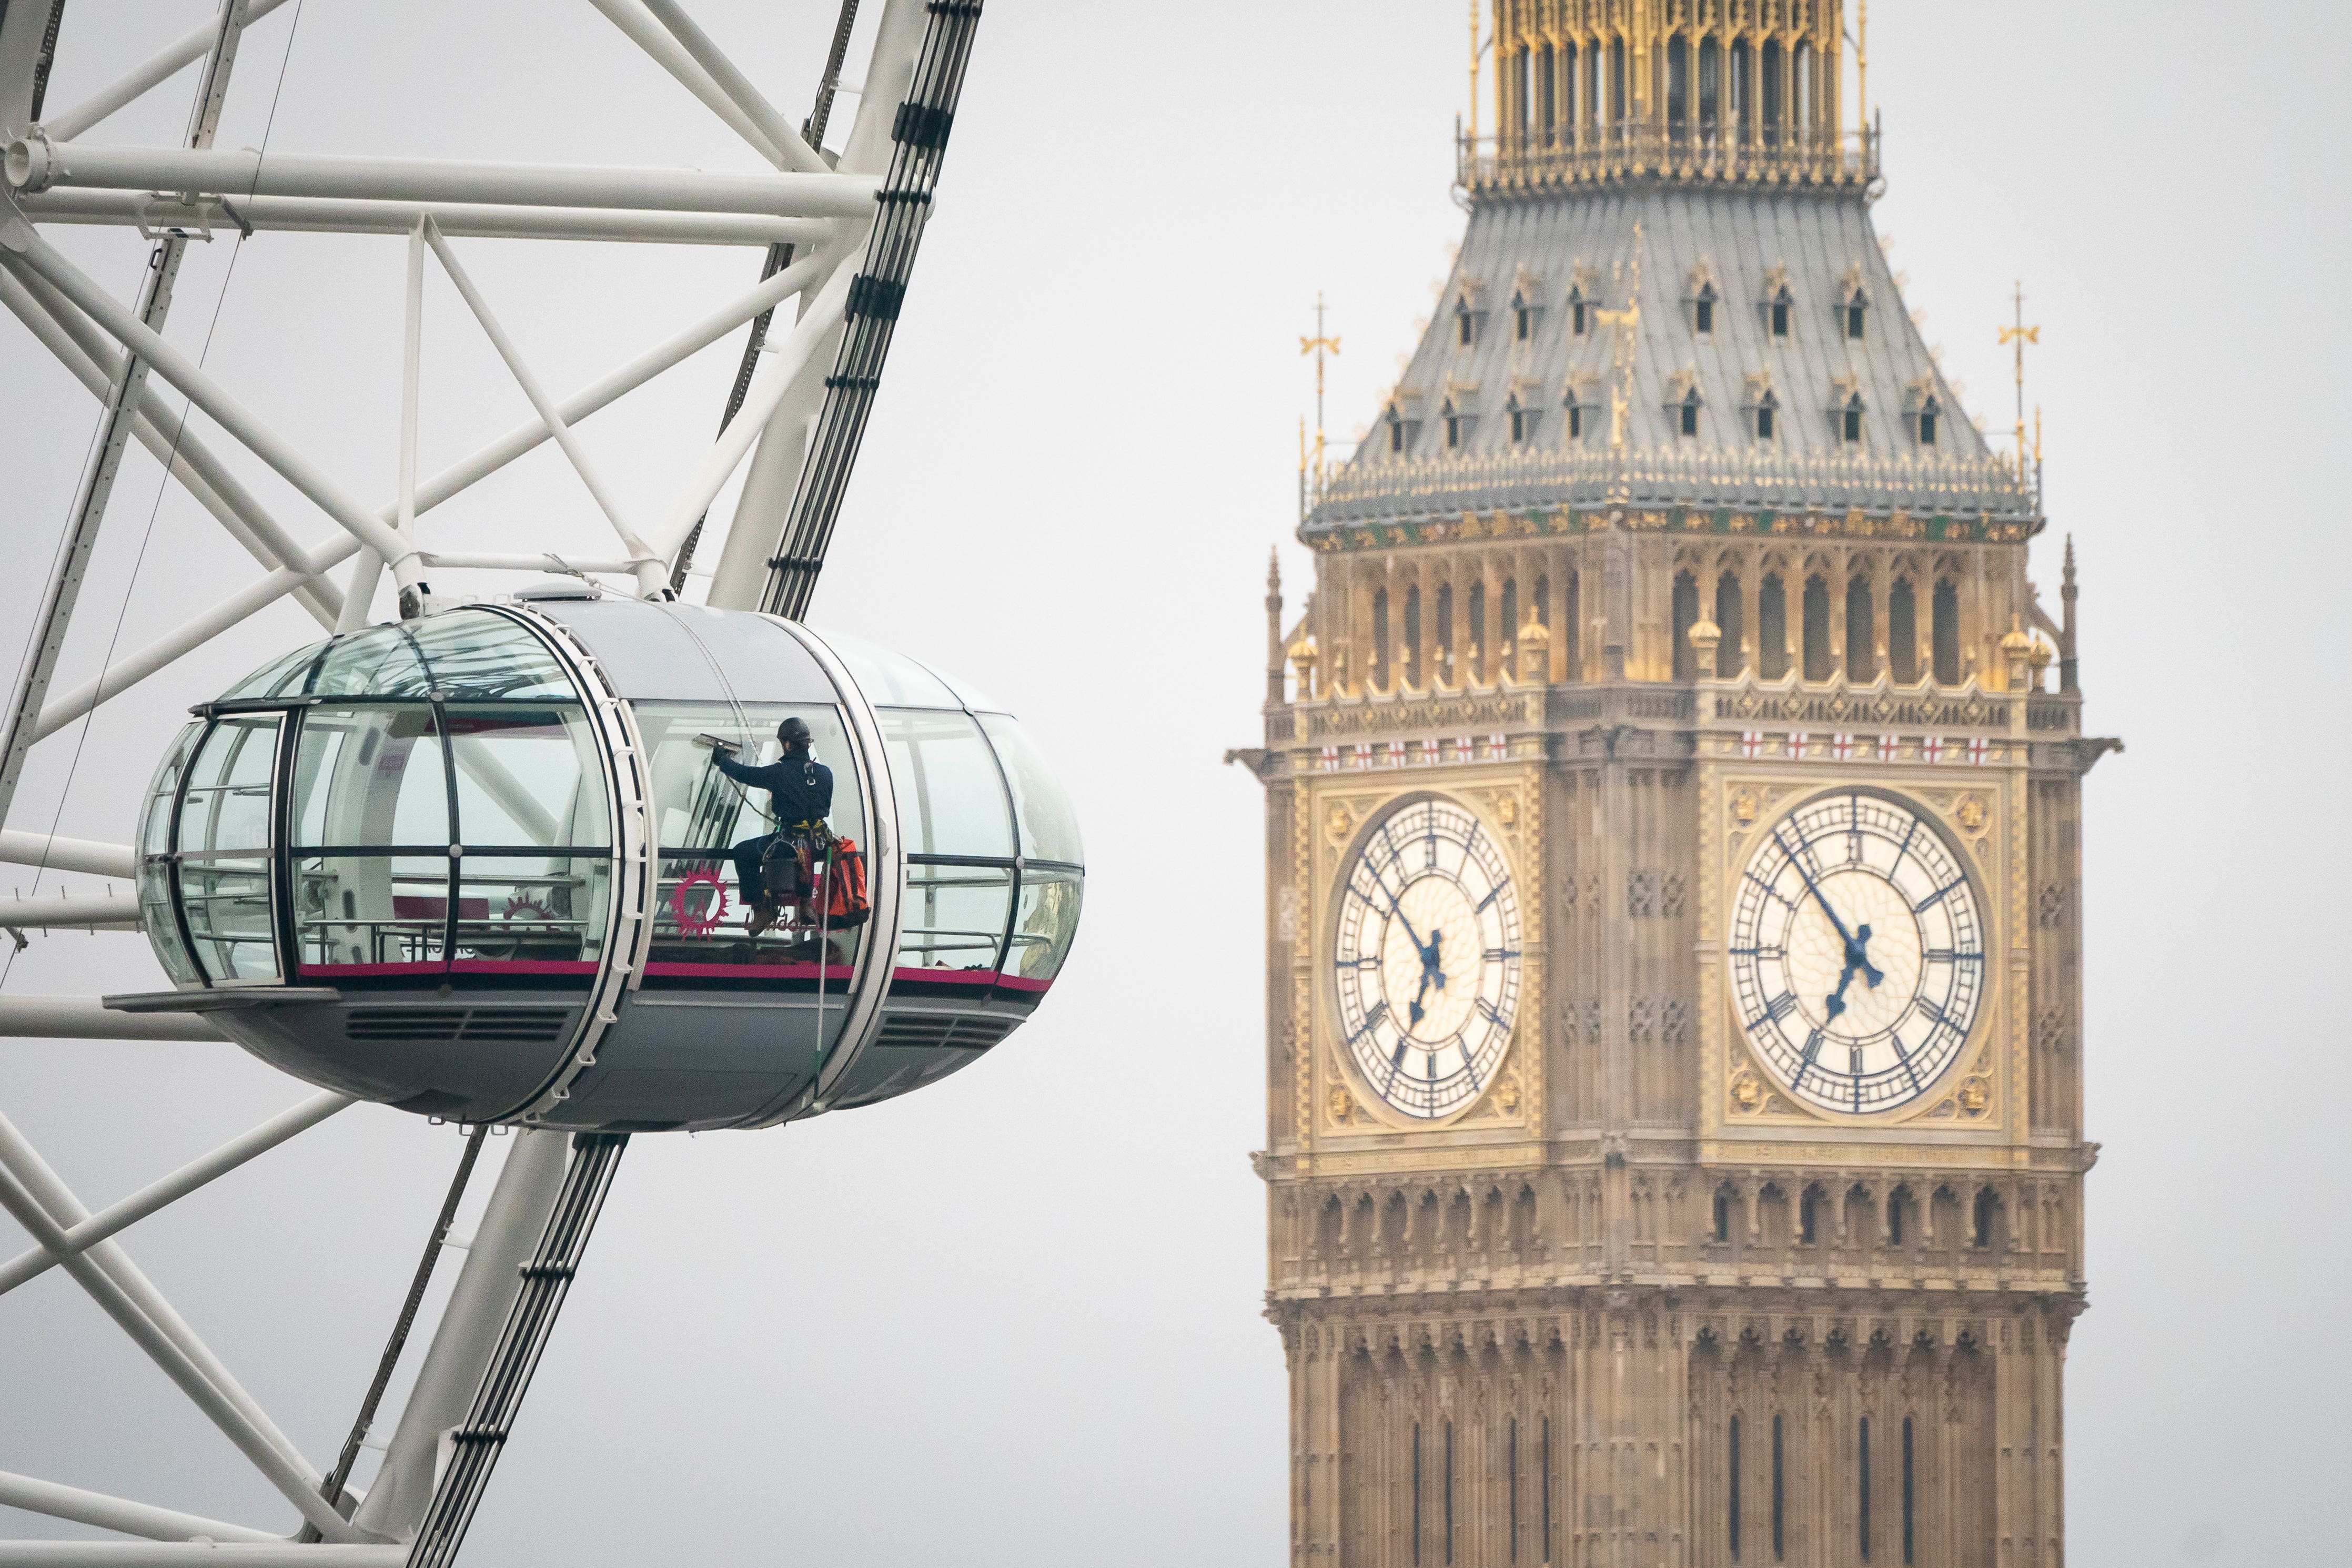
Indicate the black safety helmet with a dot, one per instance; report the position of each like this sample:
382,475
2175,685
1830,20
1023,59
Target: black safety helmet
794,732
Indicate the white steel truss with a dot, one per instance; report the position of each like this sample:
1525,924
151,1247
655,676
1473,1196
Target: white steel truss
836,228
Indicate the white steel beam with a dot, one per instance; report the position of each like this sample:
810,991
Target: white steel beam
20,246
650,575
82,348
796,152
147,1200
70,910
195,1554
82,1018
468,1331
117,1514
118,421
21,1163
320,214
561,565
34,163
177,1364
639,25
85,855
794,354
161,68
450,482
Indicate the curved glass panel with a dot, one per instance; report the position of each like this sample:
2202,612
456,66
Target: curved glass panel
951,795
155,819
531,915
368,776
1041,935
972,696
1049,828
370,782
155,910
528,774
890,679
223,848
379,662
277,676
474,654
954,920
727,844
460,654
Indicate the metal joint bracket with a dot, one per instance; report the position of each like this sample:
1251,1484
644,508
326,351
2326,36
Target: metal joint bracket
920,125
877,297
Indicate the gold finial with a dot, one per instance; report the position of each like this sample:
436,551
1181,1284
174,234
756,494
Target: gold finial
1862,68
1317,345
1473,74
2021,334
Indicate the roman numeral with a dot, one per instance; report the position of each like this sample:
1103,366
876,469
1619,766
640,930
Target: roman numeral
1764,953
1496,955
1947,955
1492,1016
1779,1007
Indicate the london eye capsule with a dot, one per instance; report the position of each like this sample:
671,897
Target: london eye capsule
486,866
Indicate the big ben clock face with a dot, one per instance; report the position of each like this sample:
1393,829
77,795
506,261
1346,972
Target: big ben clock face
1857,953
1428,958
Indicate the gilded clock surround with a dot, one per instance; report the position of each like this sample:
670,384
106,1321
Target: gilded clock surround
1528,1333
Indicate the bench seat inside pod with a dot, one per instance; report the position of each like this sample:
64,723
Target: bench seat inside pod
477,866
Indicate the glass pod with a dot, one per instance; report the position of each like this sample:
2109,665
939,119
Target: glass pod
549,861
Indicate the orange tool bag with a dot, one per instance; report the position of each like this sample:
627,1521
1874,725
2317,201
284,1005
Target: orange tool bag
843,886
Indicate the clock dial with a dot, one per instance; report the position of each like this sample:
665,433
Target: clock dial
1427,958
1857,953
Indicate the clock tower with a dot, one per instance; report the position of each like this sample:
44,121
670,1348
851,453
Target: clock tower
1674,1147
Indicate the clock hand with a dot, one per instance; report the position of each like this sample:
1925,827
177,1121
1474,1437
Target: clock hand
1836,999
1844,935
1857,953
1430,962
1413,1010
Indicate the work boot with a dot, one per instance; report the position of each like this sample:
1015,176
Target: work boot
763,915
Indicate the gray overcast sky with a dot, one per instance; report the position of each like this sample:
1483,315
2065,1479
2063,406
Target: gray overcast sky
1014,1319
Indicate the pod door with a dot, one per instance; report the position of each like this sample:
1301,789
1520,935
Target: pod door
221,837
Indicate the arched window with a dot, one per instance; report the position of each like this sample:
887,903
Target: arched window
1547,102
1702,311
1396,433
1413,634
1776,311
1576,316
1466,323
1543,602
1575,411
1898,1204
1986,1220
1381,638
1444,656
1772,95
1818,662
1930,412
1677,86
1617,85
1856,310
1686,617
1947,634
1523,318
1767,416
1850,420
1474,635
1570,64
1809,1216
1743,92
1771,630
1730,657
1861,636
1801,108
1453,426
1711,87
1723,1214
1903,633
1687,413
1571,627
1523,94
1506,626
1522,421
